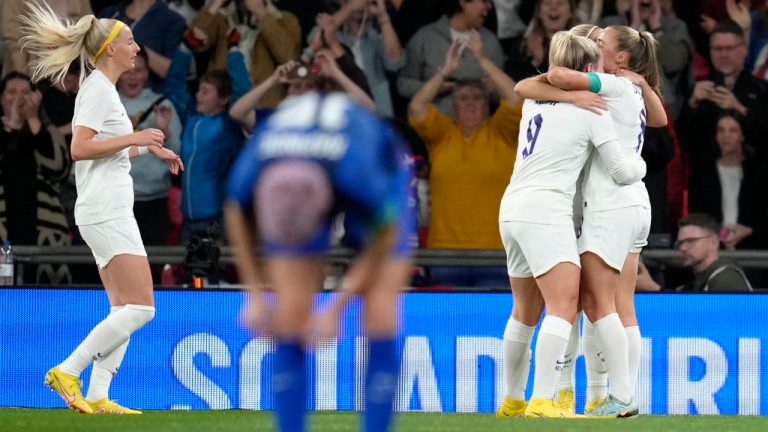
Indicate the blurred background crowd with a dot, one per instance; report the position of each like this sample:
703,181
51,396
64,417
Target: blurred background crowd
211,70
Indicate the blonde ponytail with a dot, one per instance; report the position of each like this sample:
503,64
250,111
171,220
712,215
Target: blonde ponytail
53,43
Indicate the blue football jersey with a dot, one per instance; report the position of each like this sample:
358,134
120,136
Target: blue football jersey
364,157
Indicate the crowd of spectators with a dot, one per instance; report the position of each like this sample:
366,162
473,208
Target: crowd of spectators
442,71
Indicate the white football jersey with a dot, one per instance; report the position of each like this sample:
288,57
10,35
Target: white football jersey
554,143
627,109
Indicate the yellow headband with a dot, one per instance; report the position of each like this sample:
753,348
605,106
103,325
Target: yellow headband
112,35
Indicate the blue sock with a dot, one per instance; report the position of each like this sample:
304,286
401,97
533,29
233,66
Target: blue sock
289,386
380,385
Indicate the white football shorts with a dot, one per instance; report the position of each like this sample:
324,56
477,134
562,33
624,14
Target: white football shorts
612,234
113,237
533,249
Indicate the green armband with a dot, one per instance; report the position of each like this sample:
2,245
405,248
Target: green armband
386,215
594,82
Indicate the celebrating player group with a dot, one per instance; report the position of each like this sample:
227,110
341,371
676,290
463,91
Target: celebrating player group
574,219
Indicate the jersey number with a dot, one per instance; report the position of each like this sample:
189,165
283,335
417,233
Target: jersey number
534,127
641,137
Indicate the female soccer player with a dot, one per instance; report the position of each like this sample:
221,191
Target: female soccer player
536,224
103,141
319,154
616,217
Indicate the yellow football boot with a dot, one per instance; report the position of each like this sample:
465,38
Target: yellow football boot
566,400
511,408
547,408
68,387
106,406
594,403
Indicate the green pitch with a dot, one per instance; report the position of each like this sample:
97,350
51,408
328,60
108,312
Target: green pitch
51,420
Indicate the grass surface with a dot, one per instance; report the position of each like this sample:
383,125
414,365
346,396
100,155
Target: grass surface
24,420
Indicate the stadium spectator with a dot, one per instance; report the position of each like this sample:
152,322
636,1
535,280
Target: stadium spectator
2,41
510,25
338,158
266,35
33,161
753,22
529,56
732,189
156,28
376,49
100,5
658,151
59,105
426,51
326,38
408,16
589,11
758,42
103,142
151,179
702,17
15,59
327,77
186,8
644,280
209,142
471,160
675,48
698,241
729,87
306,12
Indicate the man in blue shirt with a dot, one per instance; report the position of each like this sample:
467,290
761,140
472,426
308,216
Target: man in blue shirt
316,156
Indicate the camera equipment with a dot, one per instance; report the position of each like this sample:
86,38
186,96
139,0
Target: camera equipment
202,259
302,71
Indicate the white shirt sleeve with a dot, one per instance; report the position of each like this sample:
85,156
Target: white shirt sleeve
612,86
94,107
623,168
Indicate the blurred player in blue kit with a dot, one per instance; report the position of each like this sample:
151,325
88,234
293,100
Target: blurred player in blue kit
316,156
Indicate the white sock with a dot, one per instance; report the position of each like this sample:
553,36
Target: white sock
567,378
635,347
110,333
104,369
597,374
517,357
613,339
550,347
